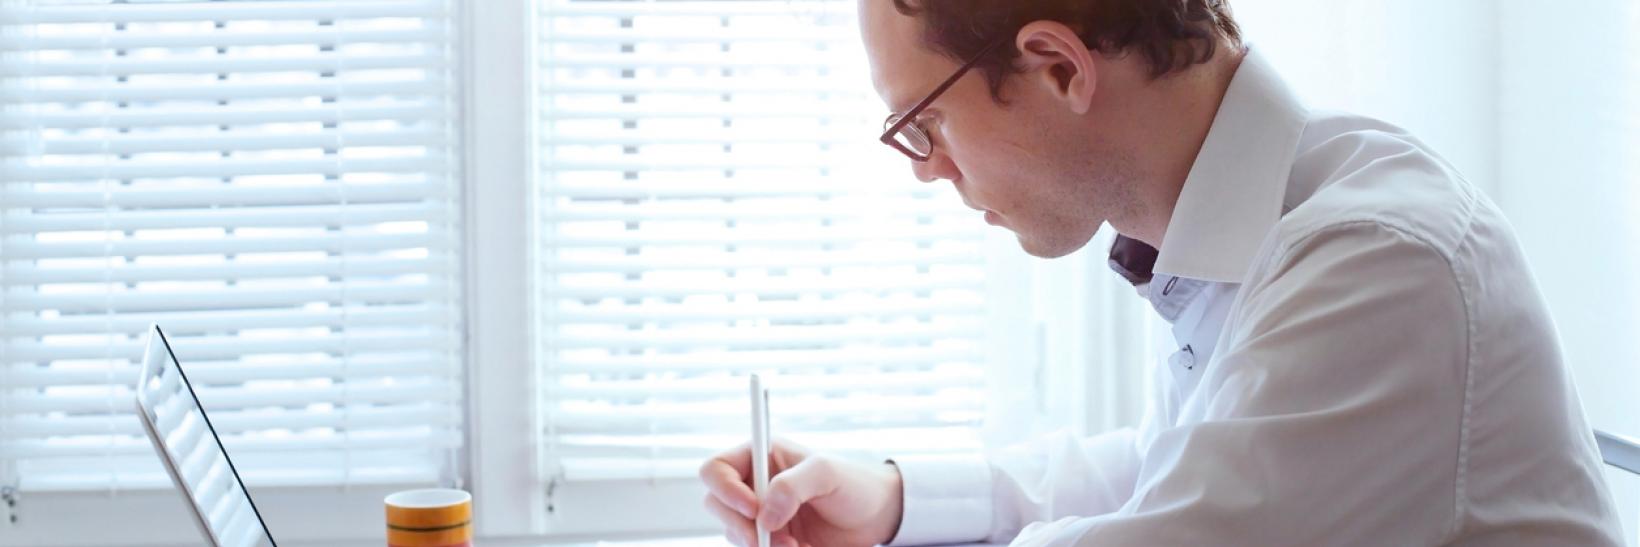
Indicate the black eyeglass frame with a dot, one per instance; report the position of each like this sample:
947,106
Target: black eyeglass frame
899,122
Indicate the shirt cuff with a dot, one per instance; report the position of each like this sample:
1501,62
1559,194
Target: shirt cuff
947,500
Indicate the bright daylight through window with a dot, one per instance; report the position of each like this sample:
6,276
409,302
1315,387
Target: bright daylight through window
709,204
274,184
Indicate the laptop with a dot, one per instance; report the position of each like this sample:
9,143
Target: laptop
192,452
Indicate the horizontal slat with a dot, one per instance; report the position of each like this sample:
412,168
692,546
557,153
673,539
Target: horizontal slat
639,137
225,195
827,61
582,459
239,397
230,320
222,12
818,236
26,250
219,64
671,389
726,415
765,337
228,422
135,39
230,347
753,209
717,188
888,358
213,115
234,372
713,86
225,298
120,169
865,111
220,141
931,438
952,255
772,287
700,8
433,84
590,34
365,440
810,160
437,265
594,469
352,214
101,474
649,313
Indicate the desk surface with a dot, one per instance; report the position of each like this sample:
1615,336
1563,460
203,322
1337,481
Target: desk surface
714,541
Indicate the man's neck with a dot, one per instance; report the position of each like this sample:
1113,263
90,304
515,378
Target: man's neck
1183,109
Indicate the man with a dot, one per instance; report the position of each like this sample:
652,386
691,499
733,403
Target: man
1363,358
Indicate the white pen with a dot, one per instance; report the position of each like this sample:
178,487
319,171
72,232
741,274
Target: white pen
760,451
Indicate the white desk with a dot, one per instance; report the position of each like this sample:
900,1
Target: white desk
714,541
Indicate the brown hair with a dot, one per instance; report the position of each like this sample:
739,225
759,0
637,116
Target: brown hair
1170,34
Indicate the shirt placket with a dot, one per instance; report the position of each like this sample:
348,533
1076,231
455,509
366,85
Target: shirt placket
1181,302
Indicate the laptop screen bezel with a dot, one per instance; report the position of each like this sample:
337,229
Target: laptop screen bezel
155,333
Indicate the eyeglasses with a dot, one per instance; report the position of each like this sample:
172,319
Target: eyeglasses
901,131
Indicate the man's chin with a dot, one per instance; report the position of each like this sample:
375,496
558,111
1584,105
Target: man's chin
1050,249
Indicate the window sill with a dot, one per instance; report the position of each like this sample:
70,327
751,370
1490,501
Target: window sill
330,515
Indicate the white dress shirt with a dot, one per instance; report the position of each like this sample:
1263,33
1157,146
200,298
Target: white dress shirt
1363,359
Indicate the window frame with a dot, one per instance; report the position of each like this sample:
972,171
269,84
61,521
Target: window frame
504,463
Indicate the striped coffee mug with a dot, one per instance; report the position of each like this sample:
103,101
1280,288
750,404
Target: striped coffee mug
432,517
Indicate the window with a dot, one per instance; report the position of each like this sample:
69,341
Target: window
277,185
711,202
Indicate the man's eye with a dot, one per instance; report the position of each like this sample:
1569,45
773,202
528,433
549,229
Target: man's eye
926,124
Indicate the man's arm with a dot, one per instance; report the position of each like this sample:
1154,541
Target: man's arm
1332,416
959,499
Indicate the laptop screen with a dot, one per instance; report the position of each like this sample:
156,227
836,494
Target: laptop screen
192,451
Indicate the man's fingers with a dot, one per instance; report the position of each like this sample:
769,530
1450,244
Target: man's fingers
737,528
789,490
738,458
727,482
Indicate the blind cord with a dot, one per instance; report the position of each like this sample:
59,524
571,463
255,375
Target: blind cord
346,355
108,263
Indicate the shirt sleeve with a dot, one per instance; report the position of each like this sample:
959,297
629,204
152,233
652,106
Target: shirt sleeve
1331,417
968,498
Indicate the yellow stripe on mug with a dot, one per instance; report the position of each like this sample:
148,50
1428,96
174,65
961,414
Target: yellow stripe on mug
432,517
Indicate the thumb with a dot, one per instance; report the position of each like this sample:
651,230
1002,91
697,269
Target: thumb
788,491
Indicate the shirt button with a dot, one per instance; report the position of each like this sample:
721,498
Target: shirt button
1184,358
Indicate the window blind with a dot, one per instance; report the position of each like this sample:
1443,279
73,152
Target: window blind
273,183
712,201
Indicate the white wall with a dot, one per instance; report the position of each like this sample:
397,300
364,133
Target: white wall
1570,161
1427,66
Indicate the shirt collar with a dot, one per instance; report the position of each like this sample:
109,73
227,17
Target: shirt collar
1233,194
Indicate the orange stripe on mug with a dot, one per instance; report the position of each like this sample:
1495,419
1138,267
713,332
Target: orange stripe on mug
433,517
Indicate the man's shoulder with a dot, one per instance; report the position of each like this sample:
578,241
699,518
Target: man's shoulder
1357,171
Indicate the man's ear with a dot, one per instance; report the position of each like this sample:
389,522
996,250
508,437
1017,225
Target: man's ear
1053,56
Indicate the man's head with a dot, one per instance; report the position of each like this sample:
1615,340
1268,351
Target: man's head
1055,129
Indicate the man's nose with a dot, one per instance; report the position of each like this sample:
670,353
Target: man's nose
937,167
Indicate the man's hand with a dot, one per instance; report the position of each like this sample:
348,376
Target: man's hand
813,500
